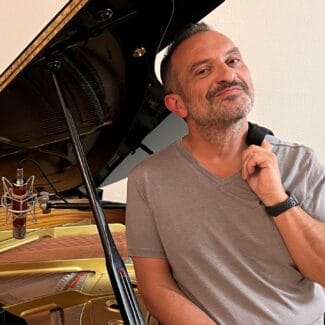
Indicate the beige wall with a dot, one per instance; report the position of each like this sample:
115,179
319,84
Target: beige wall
283,43
20,22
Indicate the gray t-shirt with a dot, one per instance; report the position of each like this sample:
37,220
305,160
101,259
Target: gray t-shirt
225,252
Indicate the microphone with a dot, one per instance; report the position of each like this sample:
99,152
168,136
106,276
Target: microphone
18,200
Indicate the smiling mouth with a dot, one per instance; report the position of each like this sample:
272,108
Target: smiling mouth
229,91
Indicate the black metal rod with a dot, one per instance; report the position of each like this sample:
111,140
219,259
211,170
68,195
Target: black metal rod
84,206
120,280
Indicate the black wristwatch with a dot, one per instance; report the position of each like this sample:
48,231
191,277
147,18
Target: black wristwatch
275,210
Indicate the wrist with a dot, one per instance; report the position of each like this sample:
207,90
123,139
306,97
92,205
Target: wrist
275,199
288,203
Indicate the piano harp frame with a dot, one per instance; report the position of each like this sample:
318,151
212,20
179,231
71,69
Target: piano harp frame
96,296
100,306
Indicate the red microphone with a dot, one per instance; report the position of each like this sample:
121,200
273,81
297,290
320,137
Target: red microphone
19,200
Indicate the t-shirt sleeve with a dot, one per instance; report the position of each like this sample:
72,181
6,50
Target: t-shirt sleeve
141,230
315,189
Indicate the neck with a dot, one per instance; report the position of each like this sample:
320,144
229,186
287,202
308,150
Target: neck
218,150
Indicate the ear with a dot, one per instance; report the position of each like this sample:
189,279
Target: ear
176,105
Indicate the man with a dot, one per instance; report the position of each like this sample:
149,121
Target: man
221,231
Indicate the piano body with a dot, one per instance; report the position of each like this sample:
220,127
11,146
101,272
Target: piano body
53,269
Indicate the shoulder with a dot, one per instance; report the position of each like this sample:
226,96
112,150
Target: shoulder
290,152
299,166
157,162
303,174
296,161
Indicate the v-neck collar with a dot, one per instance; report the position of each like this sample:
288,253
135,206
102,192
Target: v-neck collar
189,157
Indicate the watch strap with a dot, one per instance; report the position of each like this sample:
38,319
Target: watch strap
279,208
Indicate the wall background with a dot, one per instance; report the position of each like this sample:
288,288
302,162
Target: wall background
33,16
283,44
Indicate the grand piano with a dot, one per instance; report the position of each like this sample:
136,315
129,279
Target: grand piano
89,73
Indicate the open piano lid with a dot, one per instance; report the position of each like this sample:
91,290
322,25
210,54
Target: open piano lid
107,49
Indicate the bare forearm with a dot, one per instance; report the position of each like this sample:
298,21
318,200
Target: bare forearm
304,237
170,307
162,297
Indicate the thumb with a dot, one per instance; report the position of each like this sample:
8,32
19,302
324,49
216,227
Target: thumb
266,145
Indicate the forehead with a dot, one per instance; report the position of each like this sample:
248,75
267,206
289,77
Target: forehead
201,46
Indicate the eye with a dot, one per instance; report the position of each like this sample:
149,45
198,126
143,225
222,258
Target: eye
233,61
202,71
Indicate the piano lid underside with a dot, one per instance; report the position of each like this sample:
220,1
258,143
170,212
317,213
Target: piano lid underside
107,55
116,101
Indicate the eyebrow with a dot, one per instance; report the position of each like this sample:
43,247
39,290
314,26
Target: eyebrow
233,50
198,63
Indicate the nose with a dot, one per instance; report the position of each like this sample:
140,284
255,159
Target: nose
225,73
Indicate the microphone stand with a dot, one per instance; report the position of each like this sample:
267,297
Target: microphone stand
46,206
120,280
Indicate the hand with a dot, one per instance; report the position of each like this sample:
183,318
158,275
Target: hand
260,170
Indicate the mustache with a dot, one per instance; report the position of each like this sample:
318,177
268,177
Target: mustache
222,85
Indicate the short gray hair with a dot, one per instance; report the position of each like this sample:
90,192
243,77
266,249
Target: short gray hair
168,78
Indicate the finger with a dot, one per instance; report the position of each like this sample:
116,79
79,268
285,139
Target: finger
253,149
249,165
249,168
246,157
266,145
249,151
254,160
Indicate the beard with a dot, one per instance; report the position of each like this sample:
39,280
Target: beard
221,113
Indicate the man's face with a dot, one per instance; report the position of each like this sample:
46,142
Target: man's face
214,82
